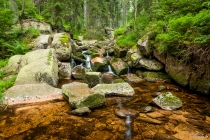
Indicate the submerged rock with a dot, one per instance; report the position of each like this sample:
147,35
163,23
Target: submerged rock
124,112
167,101
80,95
162,136
119,89
81,111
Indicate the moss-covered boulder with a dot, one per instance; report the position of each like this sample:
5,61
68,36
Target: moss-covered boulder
93,78
119,66
78,72
80,95
180,72
167,101
155,76
13,65
119,89
151,64
38,66
61,44
144,45
120,52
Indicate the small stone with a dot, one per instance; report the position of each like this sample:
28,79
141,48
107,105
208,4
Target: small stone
162,136
81,111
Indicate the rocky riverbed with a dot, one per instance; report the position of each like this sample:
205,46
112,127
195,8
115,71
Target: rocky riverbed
53,119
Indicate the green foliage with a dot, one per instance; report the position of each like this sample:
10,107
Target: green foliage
64,39
16,48
127,40
119,31
3,63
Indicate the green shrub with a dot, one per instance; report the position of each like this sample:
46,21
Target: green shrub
16,48
119,31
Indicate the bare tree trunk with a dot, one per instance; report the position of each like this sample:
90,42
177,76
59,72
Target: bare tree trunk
85,14
135,13
21,16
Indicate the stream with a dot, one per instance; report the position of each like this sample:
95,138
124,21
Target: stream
53,120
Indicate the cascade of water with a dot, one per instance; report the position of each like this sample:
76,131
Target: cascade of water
107,55
110,71
129,70
73,63
128,125
87,61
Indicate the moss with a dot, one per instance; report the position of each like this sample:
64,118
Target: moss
92,101
65,39
156,75
49,57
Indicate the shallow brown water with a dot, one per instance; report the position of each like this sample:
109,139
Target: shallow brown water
53,120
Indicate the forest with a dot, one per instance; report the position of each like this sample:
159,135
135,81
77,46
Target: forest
180,27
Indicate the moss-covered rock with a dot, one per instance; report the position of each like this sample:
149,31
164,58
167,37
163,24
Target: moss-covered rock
119,66
78,72
80,95
93,78
167,101
120,52
156,76
61,44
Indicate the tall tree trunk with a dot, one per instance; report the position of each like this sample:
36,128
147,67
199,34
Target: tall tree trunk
21,16
13,6
85,14
135,13
124,12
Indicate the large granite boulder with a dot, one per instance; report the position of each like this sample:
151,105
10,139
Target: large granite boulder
13,65
29,93
144,45
41,42
119,89
180,72
38,66
80,95
65,70
93,78
119,66
151,64
167,101
61,44
45,28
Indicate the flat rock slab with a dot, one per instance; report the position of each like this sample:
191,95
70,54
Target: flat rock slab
80,95
167,101
30,93
119,89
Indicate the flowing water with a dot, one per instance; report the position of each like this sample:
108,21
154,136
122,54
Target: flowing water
87,61
53,120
